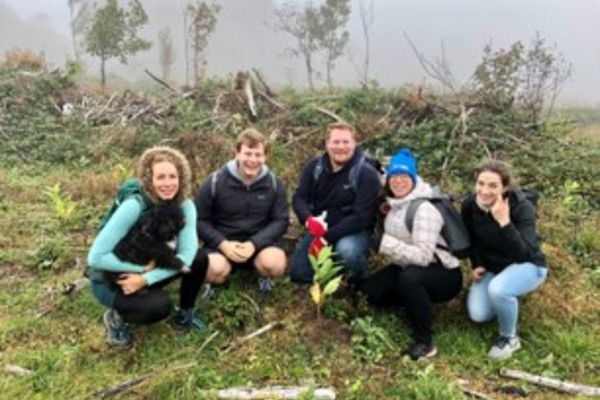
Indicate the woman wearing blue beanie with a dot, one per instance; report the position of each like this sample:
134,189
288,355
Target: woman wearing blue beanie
420,272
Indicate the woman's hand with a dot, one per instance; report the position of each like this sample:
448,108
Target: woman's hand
477,274
151,265
501,211
131,283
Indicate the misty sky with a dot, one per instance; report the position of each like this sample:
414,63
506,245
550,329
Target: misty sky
243,40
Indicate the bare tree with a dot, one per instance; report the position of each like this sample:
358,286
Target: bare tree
303,25
79,16
367,16
166,52
203,21
332,38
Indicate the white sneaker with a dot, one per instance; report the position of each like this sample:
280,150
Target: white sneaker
504,347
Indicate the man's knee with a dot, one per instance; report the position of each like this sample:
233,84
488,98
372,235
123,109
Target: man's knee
352,254
218,268
271,261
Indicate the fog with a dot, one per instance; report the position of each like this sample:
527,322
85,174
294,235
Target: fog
243,40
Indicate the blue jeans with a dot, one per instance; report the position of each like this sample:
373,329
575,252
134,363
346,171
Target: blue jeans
351,251
496,294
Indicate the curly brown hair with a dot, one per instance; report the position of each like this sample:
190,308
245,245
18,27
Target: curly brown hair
158,154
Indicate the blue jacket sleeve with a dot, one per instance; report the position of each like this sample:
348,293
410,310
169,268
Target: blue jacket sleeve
101,255
187,245
301,199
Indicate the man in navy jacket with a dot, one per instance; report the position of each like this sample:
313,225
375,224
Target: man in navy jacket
242,214
336,200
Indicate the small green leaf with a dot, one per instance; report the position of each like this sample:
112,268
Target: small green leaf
332,286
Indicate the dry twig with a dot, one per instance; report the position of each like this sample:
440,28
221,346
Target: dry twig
236,343
563,386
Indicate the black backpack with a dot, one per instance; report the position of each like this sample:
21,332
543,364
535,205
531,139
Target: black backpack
454,231
354,172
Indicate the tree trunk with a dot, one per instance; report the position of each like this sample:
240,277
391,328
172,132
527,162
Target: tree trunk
186,48
102,72
309,71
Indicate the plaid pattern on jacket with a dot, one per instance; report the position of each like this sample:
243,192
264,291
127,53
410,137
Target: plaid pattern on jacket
419,247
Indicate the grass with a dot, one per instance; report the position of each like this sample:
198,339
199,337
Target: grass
66,352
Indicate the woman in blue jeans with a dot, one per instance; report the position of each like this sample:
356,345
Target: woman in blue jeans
505,255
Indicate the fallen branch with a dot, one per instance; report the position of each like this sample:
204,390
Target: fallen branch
165,84
268,90
111,391
118,388
330,114
274,392
17,370
563,386
239,342
271,100
474,394
251,301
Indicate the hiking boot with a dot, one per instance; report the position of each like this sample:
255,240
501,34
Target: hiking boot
503,347
420,350
265,284
187,319
118,332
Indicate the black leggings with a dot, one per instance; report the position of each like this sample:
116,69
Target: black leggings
153,304
414,288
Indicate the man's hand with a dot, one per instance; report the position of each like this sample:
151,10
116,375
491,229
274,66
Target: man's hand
245,250
131,283
317,225
477,274
229,248
316,245
501,211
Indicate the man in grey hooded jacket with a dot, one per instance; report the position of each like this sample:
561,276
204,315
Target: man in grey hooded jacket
242,214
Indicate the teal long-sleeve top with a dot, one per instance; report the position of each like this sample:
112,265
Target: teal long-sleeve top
102,256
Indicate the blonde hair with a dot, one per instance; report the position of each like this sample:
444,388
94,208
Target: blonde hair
252,138
341,125
158,154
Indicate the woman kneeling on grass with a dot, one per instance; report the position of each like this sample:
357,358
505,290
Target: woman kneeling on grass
137,296
505,255
421,272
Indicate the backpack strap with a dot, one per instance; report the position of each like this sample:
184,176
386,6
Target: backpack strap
411,211
354,172
409,220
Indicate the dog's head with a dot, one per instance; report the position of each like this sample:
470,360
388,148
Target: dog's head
163,222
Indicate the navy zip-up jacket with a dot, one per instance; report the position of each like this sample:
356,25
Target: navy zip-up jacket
494,247
349,210
258,212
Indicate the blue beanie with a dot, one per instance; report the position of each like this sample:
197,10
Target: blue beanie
403,162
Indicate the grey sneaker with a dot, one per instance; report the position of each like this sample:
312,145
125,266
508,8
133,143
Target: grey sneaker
187,319
265,284
503,347
208,292
118,332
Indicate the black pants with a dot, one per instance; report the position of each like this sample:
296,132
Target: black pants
153,304
415,289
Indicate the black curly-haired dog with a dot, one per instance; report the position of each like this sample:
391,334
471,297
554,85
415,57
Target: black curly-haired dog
152,238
